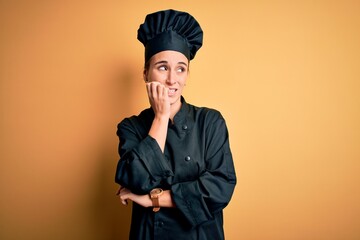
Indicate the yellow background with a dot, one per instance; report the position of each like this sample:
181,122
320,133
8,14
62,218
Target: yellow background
285,74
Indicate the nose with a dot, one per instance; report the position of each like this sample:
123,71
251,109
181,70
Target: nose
171,78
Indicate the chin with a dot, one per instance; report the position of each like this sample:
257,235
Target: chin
174,100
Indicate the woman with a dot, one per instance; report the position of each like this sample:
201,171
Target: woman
175,161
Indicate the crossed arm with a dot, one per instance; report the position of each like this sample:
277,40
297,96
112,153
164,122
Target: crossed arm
159,100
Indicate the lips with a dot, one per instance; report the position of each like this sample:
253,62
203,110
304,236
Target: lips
172,91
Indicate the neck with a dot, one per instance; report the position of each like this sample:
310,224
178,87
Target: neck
174,109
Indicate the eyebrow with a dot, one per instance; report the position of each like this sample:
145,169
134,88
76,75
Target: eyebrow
183,63
162,62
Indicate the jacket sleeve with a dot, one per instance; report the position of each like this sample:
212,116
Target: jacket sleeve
199,200
142,164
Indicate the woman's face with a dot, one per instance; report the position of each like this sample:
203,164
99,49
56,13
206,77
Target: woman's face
169,68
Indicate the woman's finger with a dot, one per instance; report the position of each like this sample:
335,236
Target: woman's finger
122,192
118,191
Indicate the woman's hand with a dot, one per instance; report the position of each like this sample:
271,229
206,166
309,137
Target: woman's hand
159,99
125,195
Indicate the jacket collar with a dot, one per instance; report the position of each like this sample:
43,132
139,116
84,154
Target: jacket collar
184,119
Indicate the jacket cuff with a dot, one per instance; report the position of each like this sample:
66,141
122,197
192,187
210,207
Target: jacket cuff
153,158
186,198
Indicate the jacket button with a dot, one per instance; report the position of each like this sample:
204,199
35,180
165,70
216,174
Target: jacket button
184,127
159,224
187,158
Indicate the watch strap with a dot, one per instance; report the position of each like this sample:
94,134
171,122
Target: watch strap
154,195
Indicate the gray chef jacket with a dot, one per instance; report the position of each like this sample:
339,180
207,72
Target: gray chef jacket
196,165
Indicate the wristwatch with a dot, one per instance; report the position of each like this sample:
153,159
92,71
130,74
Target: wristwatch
154,195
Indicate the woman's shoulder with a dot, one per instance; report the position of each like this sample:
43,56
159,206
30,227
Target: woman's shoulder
143,118
206,112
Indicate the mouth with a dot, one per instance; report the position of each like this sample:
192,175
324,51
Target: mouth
172,91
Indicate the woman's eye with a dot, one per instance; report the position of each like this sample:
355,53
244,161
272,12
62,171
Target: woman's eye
162,68
181,69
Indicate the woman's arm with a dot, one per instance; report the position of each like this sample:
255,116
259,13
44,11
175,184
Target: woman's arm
143,164
159,101
165,200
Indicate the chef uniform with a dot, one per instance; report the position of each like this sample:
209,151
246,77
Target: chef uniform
196,165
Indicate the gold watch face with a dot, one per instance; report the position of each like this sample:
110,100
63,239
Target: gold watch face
156,191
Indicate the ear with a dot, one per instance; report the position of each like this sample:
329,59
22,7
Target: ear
144,75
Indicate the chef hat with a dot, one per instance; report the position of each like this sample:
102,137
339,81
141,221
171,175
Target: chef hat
170,30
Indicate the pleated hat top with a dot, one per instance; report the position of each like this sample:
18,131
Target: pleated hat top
170,30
